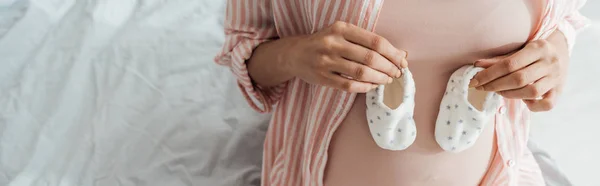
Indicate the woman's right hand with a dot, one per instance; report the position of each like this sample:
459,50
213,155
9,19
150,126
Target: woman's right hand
345,57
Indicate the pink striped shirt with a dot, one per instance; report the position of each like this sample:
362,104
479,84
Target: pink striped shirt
306,116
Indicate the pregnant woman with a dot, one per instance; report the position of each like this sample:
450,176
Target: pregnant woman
312,63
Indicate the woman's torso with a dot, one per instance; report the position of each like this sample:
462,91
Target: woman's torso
440,37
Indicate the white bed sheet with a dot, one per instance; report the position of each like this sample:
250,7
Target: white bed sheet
124,92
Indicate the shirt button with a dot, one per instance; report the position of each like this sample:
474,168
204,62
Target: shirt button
511,163
502,110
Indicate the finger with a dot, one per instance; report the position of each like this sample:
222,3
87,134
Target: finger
518,79
345,84
376,43
507,65
545,104
532,91
370,58
486,63
360,72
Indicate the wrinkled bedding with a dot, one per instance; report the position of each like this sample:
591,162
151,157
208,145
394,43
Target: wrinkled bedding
124,92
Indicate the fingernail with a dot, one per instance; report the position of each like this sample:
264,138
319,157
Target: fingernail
374,86
398,73
390,80
473,83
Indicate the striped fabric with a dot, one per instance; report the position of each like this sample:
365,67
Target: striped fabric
305,116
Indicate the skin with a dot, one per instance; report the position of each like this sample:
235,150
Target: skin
319,58
342,56
441,37
352,59
536,71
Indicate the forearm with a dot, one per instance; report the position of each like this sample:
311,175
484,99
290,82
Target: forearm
270,64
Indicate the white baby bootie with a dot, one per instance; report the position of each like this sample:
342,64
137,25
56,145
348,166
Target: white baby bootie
464,112
390,117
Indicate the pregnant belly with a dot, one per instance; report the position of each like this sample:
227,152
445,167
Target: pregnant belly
440,37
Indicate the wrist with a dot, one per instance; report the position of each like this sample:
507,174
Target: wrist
288,54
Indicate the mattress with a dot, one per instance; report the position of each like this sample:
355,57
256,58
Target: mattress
125,92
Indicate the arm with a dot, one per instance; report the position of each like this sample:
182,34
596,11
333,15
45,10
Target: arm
341,56
248,25
268,66
536,73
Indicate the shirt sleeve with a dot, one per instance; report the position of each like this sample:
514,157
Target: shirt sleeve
571,21
248,23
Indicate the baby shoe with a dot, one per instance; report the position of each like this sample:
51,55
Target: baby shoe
464,112
390,117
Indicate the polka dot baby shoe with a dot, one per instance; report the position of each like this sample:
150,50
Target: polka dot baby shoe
464,112
390,113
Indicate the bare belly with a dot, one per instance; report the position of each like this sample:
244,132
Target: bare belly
355,159
458,33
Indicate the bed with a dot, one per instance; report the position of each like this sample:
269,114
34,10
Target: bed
124,92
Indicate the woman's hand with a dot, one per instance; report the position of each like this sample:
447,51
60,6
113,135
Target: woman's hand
535,73
345,57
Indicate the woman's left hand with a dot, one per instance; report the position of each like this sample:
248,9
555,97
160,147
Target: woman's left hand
534,74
